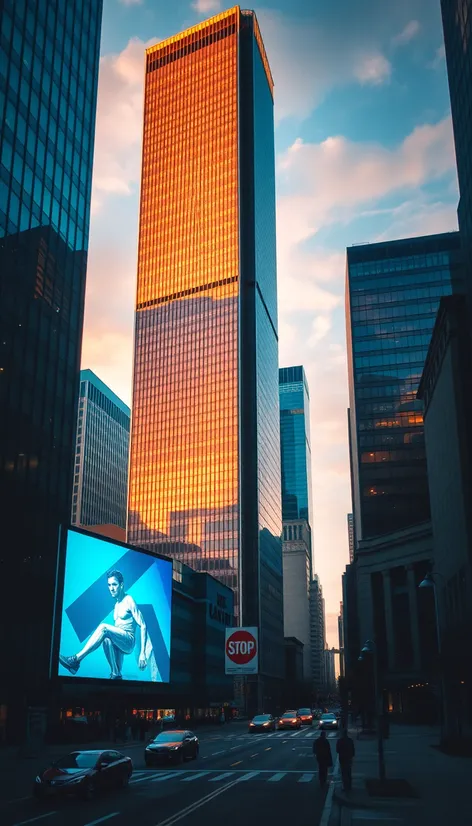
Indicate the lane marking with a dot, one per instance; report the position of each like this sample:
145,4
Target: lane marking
194,806
233,748
238,763
297,733
248,776
220,777
101,819
276,777
166,776
326,814
307,777
147,777
194,777
269,748
254,755
33,819
218,752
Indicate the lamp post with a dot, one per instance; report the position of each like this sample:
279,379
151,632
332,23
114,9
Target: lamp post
429,581
370,647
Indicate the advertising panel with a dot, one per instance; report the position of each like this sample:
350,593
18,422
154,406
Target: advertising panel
242,651
116,612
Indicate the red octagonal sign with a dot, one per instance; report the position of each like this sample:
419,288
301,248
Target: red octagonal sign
241,651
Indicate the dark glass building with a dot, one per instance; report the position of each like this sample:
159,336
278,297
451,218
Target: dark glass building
49,55
205,448
392,296
100,492
295,444
457,24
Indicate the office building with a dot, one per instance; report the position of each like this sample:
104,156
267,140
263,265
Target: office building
392,296
49,56
341,640
296,505
100,489
317,635
350,533
330,670
457,22
205,442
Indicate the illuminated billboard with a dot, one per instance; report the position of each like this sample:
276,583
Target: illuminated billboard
116,612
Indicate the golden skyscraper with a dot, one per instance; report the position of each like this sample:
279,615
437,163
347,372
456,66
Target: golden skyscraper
205,452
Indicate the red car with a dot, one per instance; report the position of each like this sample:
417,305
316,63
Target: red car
82,773
289,720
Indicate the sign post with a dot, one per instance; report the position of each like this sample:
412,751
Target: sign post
242,651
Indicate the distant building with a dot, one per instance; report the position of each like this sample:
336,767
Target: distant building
317,635
393,290
101,456
350,531
341,639
330,670
297,578
111,531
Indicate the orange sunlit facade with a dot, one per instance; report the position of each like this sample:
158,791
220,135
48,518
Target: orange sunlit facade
185,468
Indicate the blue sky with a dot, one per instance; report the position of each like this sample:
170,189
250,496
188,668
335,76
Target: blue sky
364,153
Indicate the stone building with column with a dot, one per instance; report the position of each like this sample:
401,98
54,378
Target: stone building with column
399,616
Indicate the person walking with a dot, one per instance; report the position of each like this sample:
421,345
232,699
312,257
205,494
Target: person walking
322,752
346,753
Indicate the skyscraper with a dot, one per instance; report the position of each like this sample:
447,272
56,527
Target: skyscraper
100,489
205,451
49,54
296,505
457,22
350,533
392,295
318,634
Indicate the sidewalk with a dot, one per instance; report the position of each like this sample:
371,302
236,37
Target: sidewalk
440,783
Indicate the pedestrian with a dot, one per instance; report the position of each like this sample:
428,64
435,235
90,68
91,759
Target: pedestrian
322,752
346,752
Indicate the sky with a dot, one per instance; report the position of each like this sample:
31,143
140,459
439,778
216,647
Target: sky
364,153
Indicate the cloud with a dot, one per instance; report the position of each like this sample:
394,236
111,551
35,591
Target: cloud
131,2
439,57
407,34
207,6
373,69
319,329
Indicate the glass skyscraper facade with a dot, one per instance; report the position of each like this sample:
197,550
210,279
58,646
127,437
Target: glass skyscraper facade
49,56
100,492
392,296
205,452
295,444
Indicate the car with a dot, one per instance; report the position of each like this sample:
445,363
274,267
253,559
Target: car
305,716
289,720
82,773
263,722
328,721
172,747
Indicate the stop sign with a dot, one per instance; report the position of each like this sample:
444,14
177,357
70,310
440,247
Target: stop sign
241,651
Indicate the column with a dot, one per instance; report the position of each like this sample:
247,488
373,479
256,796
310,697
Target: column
389,620
415,629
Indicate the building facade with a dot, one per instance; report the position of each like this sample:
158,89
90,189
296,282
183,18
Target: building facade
341,640
100,492
330,670
297,577
49,56
457,23
317,635
297,494
350,534
205,460
392,296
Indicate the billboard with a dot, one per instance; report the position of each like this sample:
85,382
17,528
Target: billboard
115,620
241,651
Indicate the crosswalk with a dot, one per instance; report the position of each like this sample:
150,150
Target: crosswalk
301,734
218,775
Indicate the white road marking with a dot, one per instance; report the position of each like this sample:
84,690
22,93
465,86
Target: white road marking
165,776
218,752
101,819
367,815
195,777
233,748
329,797
248,776
307,777
33,819
194,806
297,733
147,777
220,777
276,777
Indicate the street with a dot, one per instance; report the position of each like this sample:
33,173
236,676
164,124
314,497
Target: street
237,778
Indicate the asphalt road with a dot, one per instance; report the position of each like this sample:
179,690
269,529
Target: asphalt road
238,778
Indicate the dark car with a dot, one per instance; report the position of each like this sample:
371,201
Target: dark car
289,720
172,747
305,716
328,721
83,773
263,722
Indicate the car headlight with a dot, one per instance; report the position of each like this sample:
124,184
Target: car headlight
265,724
174,748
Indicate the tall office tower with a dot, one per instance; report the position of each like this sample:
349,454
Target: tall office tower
350,533
49,55
101,456
295,453
457,23
341,639
317,635
392,296
205,441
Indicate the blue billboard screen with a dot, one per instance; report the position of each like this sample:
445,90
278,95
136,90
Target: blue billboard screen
116,612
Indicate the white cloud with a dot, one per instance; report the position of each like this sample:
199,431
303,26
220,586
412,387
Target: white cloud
373,69
439,57
320,328
130,2
207,6
407,34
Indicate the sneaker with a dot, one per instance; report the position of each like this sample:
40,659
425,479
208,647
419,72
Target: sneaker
116,677
71,663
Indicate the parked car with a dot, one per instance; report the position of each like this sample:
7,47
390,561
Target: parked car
172,747
263,722
305,716
289,720
329,722
83,773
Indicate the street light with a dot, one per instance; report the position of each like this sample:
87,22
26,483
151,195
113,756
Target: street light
429,581
370,647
